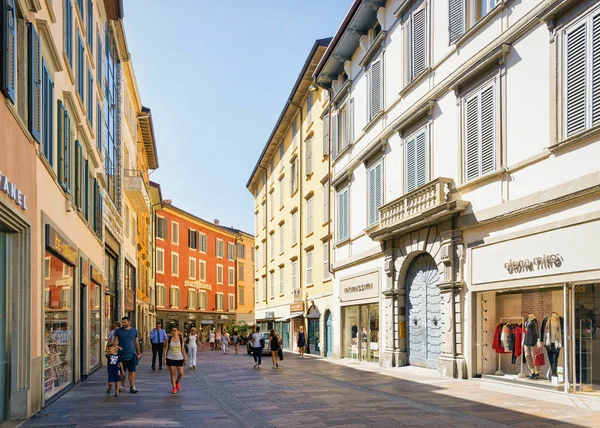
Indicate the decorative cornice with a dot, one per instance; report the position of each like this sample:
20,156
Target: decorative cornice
44,30
373,49
414,114
343,90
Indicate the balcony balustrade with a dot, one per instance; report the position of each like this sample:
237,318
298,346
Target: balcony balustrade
136,190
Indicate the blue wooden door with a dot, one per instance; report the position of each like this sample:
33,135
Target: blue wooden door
328,335
423,312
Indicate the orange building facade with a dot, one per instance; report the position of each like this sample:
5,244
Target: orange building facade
195,271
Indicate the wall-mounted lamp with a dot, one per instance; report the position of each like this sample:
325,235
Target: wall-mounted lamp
313,88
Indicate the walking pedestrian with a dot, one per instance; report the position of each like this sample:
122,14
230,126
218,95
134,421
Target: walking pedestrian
225,342
211,339
157,339
235,339
258,343
109,343
202,340
192,342
301,341
275,345
114,367
127,338
218,339
175,359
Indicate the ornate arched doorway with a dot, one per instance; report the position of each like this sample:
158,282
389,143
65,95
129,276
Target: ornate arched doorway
423,315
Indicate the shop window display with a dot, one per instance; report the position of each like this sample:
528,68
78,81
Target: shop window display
58,326
586,311
95,326
361,332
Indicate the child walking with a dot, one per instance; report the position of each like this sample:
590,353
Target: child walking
114,368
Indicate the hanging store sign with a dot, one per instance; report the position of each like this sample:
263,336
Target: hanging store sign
296,307
546,261
60,246
13,192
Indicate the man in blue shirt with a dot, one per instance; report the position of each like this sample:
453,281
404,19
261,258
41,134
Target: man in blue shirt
127,338
157,338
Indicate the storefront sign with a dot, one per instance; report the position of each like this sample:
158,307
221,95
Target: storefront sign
96,275
129,300
60,246
296,307
13,193
360,287
197,284
207,317
546,261
85,271
269,315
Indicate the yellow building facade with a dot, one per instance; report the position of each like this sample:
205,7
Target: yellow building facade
245,278
292,274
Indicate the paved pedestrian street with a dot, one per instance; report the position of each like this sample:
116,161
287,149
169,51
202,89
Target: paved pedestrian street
226,391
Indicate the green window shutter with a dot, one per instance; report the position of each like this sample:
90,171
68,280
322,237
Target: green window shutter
419,43
80,69
99,128
9,49
378,188
576,52
60,131
68,150
471,133
86,190
69,31
456,21
90,96
488,149
90,25
77,183
47,115
35,83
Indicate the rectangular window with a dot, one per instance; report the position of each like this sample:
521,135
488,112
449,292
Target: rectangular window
582,77
241,271
90,98
376,88
281,238
34,83
308,156
418,44
294,269
256,299
80,68
47,132
294,226
203,244
342,129
281,193
272,245
272,203
272,283
309,267
231,302
202,274
272,166
281,151
160,260
480,129
325,202
203,300
160,295
69,31
231,251
175,232
415,159
342,212
175,264
309,216
90,25
241,251
295,134
192,302
192,268
161,228
220,301
175,296
99,127
281,276
241,295
309,103
264,288
326,273
375,191
192,239
294,176
220,247
231,276
65,143
99,62
325,135
219,274
264,252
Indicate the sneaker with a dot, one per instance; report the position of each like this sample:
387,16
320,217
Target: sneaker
256,365
108,390
121,388
178,387
277,365
174,391
132,390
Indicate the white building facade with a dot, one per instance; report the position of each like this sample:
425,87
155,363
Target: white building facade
465,136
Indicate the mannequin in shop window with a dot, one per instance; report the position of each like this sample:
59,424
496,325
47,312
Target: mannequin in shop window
530,341
552,336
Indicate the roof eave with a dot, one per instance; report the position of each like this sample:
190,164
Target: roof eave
148,138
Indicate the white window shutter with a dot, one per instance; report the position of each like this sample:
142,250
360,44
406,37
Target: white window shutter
410,165
456,21
419,42
334,135
421,158
576,80
378,188
372,195
351,121
471,131
596,69
376,88
488,139
309,156
325,135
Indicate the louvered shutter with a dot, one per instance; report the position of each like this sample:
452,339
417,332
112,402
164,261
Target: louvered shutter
596,69
375,88
69,31
419,42
334,135
309,157
99,128
372,193
351,121
86,193
456,21
471,131
77,188
9,48
421,158
67,153
96,212
35,83
411,165
378,189
326,135
576,79
47,114
61,142
488,139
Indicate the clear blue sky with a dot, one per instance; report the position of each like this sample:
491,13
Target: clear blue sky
216,75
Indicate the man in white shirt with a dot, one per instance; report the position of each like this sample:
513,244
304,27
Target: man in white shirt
257,347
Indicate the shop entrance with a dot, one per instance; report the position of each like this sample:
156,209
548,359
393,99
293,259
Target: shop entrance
328,334
3,314
423,312
586,311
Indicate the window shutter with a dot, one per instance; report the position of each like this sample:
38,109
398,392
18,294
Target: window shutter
351,121
99,129
421,159
456,21
326,135
77,188
372,195
576,79
375,88
35,83
411,165
67,153
9,50
86,193
61,142
378,189
334,135
90,25
48,117
472,148
90,94
309,157
596,69
419,42
68,31
487,131
99,61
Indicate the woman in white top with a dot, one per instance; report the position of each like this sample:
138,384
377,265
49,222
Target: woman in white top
211,339
192,343
175,358
225,342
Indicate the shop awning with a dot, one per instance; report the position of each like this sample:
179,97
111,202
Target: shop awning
292,315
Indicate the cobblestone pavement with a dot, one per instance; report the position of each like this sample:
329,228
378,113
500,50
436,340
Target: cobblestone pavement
226,391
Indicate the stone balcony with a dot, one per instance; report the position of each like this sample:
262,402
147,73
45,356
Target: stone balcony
428,204
135,189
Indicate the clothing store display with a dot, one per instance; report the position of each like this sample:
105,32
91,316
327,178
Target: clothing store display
532,332
538,358
552,328
529,357
553,354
